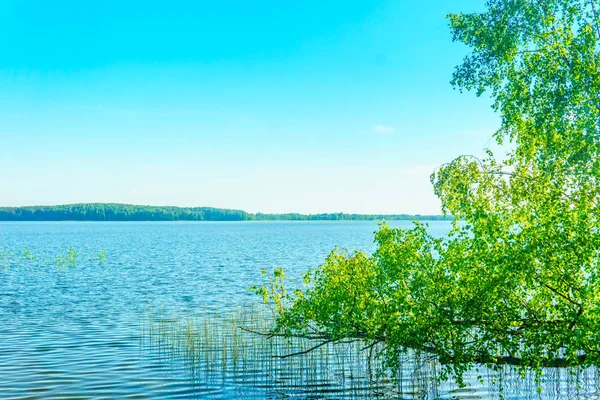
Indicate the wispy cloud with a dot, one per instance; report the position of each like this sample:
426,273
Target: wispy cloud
383,129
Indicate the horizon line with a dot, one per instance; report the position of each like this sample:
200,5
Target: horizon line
47,206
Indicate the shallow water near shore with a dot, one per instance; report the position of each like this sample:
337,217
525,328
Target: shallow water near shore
132,317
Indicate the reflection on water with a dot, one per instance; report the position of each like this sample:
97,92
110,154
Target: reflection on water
226,350
74,299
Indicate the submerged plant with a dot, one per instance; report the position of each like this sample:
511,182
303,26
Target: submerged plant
66,260
29,256
62,260
72,257
101,256
236,347
5,258
231,347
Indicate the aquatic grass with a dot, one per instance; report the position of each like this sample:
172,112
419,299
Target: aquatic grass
29,256
62,260
222,348
5,257
102,256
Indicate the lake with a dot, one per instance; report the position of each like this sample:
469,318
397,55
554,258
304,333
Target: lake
82,331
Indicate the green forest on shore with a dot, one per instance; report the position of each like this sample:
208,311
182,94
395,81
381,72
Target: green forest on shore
129,212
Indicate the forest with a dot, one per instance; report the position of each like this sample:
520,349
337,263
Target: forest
129,212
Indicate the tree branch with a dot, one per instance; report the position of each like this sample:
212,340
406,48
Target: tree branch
595,18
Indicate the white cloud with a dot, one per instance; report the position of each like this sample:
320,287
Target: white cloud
383,129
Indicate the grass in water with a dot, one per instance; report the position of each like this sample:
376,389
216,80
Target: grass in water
62,261
234,349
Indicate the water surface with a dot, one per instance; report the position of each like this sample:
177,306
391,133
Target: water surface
76,332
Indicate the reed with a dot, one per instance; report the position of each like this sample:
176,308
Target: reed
62,260
222,348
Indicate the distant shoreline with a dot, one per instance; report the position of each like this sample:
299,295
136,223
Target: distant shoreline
114,212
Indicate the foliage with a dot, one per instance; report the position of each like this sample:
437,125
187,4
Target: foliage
518,281
128,212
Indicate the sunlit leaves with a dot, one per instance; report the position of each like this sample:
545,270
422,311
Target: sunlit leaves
517,279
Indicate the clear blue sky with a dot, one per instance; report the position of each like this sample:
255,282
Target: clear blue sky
272,106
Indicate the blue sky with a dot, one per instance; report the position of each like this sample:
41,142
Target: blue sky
266,106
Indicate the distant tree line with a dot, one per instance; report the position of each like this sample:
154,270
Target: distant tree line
128,212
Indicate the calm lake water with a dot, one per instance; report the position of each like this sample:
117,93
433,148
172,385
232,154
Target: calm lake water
79,332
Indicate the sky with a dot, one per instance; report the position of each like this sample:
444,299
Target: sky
266,106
